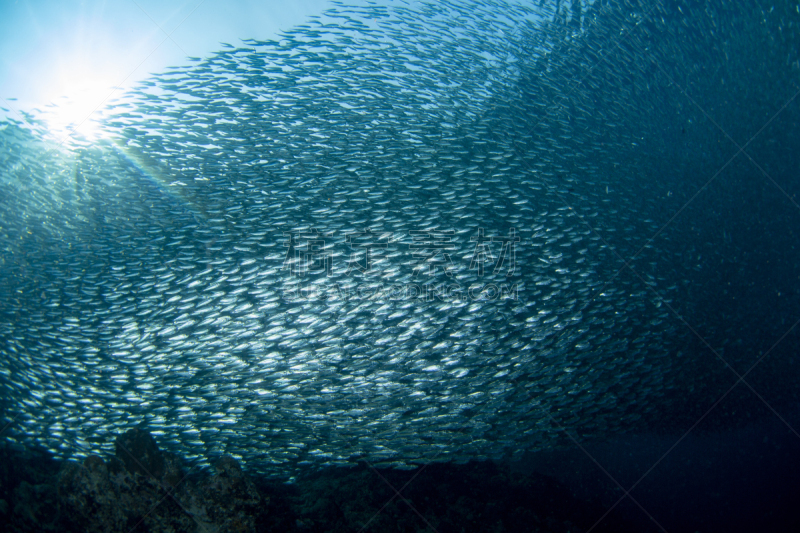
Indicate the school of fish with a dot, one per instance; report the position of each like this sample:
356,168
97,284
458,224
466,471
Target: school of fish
397,232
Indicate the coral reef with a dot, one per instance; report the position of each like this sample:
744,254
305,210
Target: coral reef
143,489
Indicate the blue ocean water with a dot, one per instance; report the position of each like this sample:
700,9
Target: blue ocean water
561,236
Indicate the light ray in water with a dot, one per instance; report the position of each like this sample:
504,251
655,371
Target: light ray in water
175,191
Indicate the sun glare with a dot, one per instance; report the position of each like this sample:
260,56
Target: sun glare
79,111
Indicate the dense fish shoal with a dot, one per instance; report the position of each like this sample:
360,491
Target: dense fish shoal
404,233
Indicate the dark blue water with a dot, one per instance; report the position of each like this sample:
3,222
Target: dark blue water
664,135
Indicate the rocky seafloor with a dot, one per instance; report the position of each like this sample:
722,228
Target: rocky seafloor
143,489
